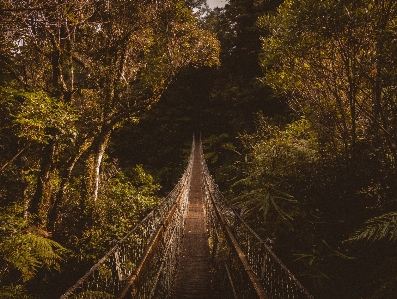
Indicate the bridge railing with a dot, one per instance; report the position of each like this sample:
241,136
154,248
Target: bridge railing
143,263
243,260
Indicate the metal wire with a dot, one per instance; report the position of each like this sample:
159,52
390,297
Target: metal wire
273,276
143,264
130,255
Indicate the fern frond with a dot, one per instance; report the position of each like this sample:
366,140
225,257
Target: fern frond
46,250
29,252
13,292
25,262
377,228
95,294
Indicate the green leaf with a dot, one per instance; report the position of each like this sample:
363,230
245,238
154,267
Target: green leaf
377,228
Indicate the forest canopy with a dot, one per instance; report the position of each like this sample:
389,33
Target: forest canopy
72,72
295,102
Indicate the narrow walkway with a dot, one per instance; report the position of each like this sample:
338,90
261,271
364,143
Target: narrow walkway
193,280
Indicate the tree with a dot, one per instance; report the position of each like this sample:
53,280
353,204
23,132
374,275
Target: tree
275,160
332,56
24,251
328,59
108,62
145,52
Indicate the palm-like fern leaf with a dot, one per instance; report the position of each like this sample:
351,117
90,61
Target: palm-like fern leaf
29,252
25,247
377,228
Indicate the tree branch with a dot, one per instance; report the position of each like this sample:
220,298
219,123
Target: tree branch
13,158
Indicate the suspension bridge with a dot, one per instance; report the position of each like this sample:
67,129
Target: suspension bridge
192,245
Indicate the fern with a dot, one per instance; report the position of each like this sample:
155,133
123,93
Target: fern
94,294
13,292
377,228
26,248
32,252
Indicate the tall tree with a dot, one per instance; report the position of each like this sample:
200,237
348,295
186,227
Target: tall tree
145,47
331,61
107,62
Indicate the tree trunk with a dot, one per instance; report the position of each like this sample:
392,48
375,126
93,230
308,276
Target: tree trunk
57,199
12,159
99,150
44,176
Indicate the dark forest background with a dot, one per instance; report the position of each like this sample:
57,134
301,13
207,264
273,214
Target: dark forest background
295,103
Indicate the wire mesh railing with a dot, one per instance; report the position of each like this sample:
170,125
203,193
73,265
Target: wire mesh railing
143,263
246,266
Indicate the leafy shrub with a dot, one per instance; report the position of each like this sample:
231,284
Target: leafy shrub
24,250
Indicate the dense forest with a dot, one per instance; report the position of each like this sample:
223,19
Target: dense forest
295,103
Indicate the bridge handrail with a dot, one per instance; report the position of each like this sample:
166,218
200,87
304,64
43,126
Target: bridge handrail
250,242
153,220
260,240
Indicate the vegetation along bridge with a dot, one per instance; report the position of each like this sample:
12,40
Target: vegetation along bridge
193,245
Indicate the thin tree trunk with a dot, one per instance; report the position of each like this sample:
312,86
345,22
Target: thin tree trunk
12,159
100,148
44,176
65,178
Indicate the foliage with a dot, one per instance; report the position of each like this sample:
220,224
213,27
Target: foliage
377,228
25,248
85,70
312,167
333,62
37,116
329,58
13,292
276,157
124,198
236,91
220,152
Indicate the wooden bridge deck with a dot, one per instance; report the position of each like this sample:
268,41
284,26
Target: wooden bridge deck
193,280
